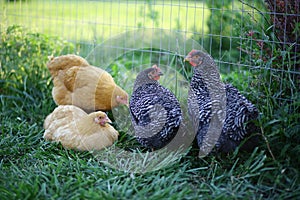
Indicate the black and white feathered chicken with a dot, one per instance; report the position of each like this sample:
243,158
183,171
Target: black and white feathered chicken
210,101
155,111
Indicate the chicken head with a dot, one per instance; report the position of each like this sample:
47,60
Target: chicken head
101,118
155,73
122,99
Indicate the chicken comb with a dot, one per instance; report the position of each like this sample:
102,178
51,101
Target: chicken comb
193,51
155,67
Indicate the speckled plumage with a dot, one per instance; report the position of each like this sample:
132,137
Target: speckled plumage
240,112
155,112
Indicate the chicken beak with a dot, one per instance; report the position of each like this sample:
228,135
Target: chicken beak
159,72
187,58
126,103
107,120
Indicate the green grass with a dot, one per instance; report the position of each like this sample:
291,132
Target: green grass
31,168
96,21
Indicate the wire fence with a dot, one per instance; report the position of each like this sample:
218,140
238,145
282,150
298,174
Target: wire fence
241,36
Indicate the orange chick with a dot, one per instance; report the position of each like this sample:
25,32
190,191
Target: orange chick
80,84
75,129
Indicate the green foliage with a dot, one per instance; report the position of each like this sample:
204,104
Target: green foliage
274,68
226,24
25,80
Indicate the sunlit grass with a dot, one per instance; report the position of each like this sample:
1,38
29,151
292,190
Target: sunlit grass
98,20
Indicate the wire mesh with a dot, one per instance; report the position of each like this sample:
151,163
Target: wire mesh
243,37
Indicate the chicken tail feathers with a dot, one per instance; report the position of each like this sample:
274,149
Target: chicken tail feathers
65,62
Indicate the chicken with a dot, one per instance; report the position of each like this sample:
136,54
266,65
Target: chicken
64,62
155,111
80,84
75,129
211,100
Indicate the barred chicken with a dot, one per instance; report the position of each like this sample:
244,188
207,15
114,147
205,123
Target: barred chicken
155,111
206,96
75,129
80,84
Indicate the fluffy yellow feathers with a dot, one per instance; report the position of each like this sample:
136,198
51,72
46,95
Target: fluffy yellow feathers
80,88
80,84
75,129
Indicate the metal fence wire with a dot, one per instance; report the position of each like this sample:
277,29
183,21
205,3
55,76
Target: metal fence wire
256,41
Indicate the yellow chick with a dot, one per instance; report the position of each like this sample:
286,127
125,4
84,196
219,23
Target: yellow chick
75,129
80,84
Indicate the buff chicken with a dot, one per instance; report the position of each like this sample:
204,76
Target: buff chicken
85,86
75,129
212,103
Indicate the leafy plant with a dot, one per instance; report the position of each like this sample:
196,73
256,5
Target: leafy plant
226,22
23,58
274,66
